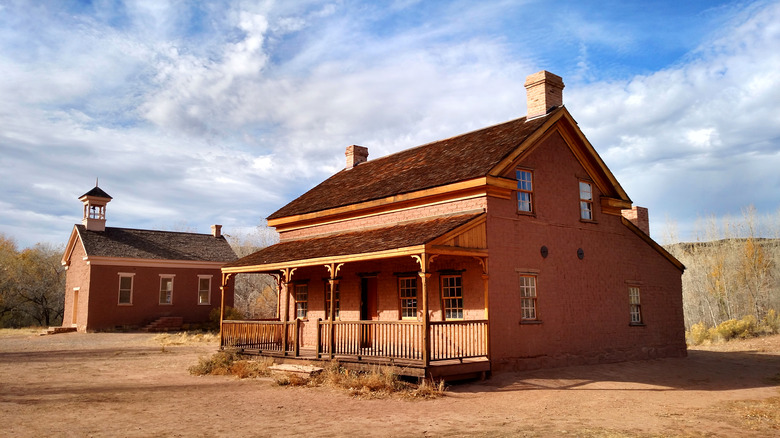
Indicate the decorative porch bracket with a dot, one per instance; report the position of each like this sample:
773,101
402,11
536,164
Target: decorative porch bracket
333,269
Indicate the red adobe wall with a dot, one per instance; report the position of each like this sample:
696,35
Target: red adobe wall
106,313
582,303
77,276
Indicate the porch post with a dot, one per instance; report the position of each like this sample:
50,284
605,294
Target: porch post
287,274
222,307
424,276
487,318
331,318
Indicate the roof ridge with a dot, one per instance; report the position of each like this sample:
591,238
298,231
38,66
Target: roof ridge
152,231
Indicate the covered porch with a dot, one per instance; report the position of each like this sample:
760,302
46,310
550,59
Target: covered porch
411,295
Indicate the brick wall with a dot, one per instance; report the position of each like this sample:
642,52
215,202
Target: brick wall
583,304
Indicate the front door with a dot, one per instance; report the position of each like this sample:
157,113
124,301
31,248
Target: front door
368,309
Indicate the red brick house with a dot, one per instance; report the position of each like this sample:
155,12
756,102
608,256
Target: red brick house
128,278
510,247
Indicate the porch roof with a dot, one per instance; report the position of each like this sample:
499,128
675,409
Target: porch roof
389,241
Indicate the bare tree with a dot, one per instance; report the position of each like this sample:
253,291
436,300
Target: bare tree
256,295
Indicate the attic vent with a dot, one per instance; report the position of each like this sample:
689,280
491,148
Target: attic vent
356,155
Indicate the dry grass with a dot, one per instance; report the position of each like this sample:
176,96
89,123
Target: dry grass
378,382
229,363
21,331
185,338
760,415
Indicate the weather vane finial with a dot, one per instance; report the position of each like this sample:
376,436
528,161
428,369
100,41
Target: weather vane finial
96,181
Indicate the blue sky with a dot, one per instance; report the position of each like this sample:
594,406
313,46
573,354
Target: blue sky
193,113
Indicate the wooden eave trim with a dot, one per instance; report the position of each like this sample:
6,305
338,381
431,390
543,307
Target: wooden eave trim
572,127
318,261
152,263
563,123
508,162
672,259
472,188
614,206
71,245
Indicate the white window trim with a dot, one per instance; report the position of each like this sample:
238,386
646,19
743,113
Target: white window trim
119,290
159,289
208,303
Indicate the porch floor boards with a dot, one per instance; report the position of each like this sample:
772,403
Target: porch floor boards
452,369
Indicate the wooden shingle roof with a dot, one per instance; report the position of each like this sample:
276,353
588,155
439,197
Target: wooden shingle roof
366,241
155,245
452,160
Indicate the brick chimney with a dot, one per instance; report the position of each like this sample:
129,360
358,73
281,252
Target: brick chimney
544,91
356,155
216,230
639,217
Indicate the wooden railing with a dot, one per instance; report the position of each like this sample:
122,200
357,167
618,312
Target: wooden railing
458,339
393,339
364,339
260,335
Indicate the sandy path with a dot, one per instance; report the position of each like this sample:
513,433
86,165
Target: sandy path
113,384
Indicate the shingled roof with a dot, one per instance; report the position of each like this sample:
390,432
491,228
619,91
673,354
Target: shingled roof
356,242
156,245
96,192
448,161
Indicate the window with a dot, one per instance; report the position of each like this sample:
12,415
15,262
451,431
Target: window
336,297
125,289
452,296
301,301
634,305
204,289
525,191
407,293
528,298
166,289
586,201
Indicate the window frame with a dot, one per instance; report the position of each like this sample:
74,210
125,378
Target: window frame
586,204
169,302
403,299
635,305
208,291
528,295
525,191
337,296
131,276
301,305
446,300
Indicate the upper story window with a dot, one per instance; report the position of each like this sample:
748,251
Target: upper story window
525,190
407,293
301,301
166,289
586,201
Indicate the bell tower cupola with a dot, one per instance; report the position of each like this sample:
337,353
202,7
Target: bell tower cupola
95,202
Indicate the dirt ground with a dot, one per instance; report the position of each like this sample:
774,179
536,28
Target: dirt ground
119,384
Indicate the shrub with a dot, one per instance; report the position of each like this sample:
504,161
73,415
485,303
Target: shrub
771,322
737,328
698,334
